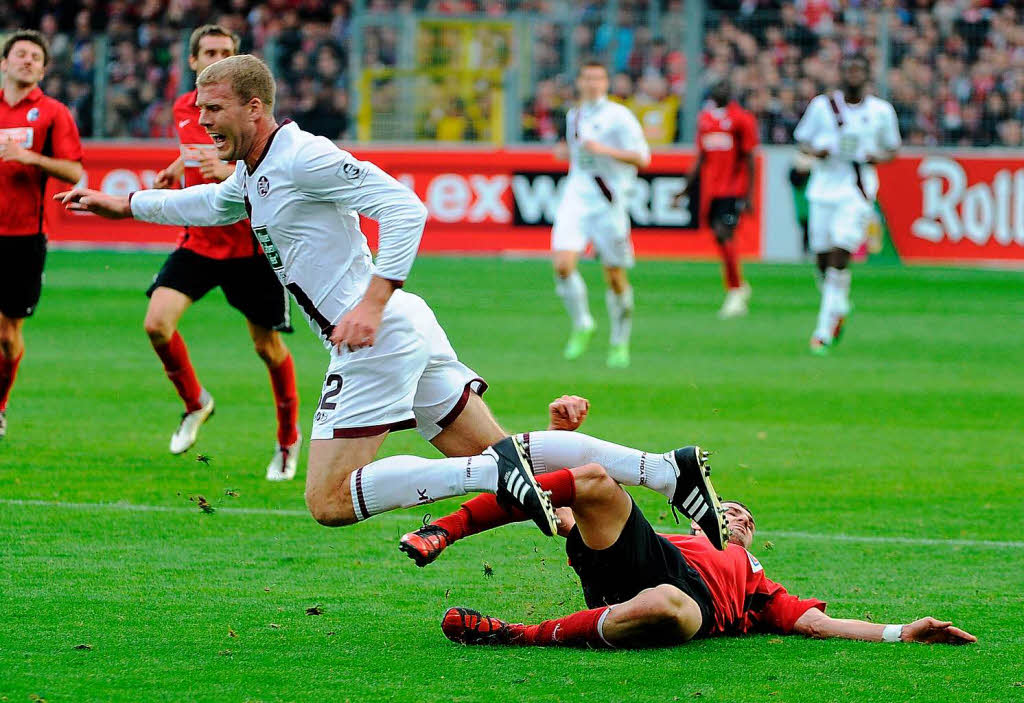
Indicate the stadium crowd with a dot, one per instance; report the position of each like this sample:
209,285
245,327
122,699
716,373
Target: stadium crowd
955,67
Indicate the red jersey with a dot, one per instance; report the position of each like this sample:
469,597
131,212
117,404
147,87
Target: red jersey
725,135
744,599
225,242
45,126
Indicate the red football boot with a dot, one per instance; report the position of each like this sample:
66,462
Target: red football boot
467,626
425,544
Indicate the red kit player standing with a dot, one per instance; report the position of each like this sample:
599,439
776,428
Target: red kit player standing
726,138
228,257
38,139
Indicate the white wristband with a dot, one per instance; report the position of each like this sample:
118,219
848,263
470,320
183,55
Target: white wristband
892,633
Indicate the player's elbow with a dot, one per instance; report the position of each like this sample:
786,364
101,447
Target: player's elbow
813,623
643,160
74,173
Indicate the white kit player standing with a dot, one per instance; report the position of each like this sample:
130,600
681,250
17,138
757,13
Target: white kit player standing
605,147
391,366
848,131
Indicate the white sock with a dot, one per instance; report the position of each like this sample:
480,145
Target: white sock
551,450
842,279
831,302
620,313
405,481
573,291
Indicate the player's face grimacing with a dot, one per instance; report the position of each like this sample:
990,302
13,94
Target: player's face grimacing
212,48
229,122
740,521
592,83
25,63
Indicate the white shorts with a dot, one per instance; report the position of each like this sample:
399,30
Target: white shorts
841,224
409,378
606,227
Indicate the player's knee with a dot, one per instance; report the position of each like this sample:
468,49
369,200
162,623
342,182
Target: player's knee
158,330
563,269
593,482
270,349
329,512
672,612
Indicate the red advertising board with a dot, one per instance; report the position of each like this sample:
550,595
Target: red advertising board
949,207
479,200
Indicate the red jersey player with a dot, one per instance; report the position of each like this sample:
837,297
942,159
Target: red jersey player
228,257
38,139
642,588
726,138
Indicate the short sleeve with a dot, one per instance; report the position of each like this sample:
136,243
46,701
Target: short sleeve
632,134
749,137
64,137
891,129
810,125
781,610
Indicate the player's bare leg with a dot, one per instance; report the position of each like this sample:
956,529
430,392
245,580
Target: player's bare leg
572,289
12,349
658,616
166,306
835,299
344,485
619,298
473,431
737,294
270,347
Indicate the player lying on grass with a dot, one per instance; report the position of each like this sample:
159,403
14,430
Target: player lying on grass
645,589
391,364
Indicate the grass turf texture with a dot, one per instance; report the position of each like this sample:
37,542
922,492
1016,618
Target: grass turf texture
910,429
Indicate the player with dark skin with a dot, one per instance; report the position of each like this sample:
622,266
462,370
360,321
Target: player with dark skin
720,95
855,73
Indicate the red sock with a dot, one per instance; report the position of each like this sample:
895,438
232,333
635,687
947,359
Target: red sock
484,513
282,380
730,263
576,630
8,370
179,369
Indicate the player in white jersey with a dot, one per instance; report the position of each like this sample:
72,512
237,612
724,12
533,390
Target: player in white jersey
391,366
605,146
848,131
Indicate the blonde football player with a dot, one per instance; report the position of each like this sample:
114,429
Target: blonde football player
605,146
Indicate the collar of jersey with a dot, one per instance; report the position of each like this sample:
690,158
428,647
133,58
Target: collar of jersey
266,149
32,96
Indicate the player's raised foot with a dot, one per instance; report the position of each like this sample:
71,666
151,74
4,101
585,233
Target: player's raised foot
467,626
185,436
425,544
518,488
578,342
286,460
736,302
695,497
3,424
819,347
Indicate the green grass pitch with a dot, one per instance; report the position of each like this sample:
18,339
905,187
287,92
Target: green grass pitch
886,479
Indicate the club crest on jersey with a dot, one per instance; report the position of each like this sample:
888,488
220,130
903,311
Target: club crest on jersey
32,115
263,186
352,172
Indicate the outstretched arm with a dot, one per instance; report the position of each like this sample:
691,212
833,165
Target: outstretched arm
815,623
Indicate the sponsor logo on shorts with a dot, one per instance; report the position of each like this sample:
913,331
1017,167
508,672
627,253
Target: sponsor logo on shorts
263,186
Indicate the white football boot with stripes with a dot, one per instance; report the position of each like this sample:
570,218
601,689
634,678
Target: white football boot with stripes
185,436
695,497
286,460
518,488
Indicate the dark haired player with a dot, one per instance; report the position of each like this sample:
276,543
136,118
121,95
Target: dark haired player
726,137
225,256
848,131
38,139
645,589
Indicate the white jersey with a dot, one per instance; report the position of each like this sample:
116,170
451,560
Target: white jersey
303,200
596,179
850,133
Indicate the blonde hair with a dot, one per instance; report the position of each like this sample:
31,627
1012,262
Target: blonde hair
247,75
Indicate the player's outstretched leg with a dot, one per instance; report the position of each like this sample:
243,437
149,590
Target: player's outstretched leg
572,289
272,350
337,495
695,497
477,515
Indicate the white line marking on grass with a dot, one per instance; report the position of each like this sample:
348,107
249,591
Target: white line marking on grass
396,517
